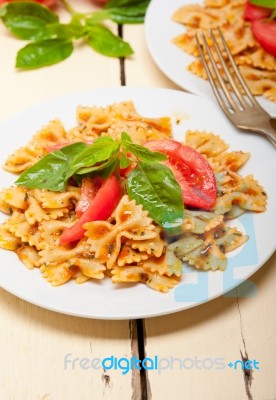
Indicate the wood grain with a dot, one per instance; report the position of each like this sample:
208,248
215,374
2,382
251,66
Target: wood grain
226,328
34,344
33,341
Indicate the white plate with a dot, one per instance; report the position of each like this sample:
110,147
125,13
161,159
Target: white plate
104,299
160,30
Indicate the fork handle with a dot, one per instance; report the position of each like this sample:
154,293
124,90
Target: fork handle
269,132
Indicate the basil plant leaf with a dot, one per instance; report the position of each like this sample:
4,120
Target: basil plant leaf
155,188
105,169
51,172
97,17
143,153
124,161
126,18
43,53
3,10
264,3
126,11
101,150
28,20
73,30
125,4
102,40
125,137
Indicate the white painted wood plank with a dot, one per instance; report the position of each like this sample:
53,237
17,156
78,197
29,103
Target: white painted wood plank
33,341
218,329
258,324
34,344
140,68
221,328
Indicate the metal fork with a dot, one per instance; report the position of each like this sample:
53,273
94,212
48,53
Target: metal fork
243,111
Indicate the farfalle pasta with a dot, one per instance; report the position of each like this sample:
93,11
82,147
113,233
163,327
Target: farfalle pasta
129,246
256,65
92,123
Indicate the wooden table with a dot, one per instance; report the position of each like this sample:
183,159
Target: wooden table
34,341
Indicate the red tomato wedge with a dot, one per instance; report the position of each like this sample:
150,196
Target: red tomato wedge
191,170
253,12
265,32
89,188
100,209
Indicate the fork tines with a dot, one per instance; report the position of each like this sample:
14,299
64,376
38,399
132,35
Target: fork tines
235,99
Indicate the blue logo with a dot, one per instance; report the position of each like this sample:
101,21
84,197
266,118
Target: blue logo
125,364
245,364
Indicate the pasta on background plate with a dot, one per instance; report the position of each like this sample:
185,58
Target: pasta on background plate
129,246
256,65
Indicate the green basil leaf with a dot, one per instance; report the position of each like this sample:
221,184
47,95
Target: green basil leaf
108,169
264,3
126,17
73,30
126,11
273,15
51,172
101,150
28,20
125,137
3,10
105,166
124,4
124,161
102,40
155,188
97,17
143,153
43,53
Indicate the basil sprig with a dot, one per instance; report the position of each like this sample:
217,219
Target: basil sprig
150,184
52,41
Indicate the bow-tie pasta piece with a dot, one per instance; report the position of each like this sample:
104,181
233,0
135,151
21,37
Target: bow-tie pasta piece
256,65
133,274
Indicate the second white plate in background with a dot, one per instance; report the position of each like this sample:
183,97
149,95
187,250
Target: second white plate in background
160,30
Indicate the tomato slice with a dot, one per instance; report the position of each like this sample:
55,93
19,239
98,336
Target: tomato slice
89,188
99,209
191,170
265,32
253,12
